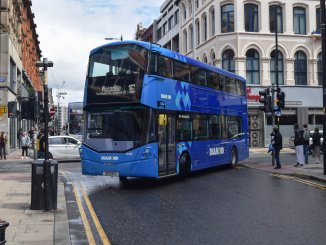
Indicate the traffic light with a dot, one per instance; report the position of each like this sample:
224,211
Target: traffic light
280,99
266,100
12,109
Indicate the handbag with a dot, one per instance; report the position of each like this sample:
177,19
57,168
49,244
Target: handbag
270,148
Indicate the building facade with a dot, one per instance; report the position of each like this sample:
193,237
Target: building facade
239,36
20,83
166,27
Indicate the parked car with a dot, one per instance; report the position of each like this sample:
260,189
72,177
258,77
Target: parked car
64,148
291,140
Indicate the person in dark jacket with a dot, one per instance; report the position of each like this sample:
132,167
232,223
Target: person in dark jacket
298,143
277,145
316,145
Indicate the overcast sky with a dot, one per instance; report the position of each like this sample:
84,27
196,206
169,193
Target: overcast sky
69,29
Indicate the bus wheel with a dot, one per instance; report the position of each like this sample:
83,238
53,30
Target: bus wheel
123,178
234,157
184,166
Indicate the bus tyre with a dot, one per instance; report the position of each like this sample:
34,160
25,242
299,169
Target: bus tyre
234,157
184,166
123,178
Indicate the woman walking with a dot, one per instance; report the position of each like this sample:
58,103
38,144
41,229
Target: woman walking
316,145
25,143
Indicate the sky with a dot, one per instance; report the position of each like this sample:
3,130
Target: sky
69,29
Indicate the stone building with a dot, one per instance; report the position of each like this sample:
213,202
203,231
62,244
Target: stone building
20,83
239,36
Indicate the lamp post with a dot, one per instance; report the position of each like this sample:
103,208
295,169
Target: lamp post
46,164
276,62
323,46
114,38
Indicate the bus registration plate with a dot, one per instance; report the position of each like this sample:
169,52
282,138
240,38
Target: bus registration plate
111,174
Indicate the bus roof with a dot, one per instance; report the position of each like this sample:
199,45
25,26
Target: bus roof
173,55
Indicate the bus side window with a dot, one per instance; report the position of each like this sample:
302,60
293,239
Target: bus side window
221,84
181,71
214,129
164,68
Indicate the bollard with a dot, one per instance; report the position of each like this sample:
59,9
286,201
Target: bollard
3,226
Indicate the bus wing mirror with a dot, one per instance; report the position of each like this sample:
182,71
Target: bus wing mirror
162,119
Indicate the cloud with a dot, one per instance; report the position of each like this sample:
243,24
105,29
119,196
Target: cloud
69,29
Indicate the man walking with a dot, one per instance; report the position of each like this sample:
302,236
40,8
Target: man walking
306,139
3,142
298,143
277,145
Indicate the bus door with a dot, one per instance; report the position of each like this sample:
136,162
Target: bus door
166,144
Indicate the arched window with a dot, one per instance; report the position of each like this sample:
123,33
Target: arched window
280,68
251,17
300,68
320,69
228,62
227,18
185,41
197,3
204,23
190,7
191,37
213,58
205,58
318,20
184,11
197,32
275,15
252,67
212,20
299,20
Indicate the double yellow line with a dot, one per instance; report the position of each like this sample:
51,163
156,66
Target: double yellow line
88,230
303,181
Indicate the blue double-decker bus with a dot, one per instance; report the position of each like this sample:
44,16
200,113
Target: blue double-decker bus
75,119
151,112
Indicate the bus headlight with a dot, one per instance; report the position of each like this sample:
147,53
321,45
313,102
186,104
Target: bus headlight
146,153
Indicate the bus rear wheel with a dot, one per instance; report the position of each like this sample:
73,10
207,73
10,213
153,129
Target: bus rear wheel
184,166
123,178
234,157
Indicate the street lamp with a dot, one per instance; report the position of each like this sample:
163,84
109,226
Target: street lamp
46,164
114,38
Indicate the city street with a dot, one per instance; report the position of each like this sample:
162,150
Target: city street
224,206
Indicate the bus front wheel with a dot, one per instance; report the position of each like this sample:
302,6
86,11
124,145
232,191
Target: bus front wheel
234,157
123,178
184,166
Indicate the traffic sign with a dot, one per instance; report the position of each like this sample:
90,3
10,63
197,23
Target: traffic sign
52,112
3,109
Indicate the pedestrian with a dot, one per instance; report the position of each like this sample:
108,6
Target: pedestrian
3,142
41,144
26,141
306,140
31,135
277,146
19,137
298,143
316,145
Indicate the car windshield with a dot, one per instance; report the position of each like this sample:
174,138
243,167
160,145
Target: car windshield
118,129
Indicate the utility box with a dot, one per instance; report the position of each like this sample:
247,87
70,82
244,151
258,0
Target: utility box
38,197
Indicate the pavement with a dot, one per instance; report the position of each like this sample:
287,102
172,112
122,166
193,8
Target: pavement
27,227
311,170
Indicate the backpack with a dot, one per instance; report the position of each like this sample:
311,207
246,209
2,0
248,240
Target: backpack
306,135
